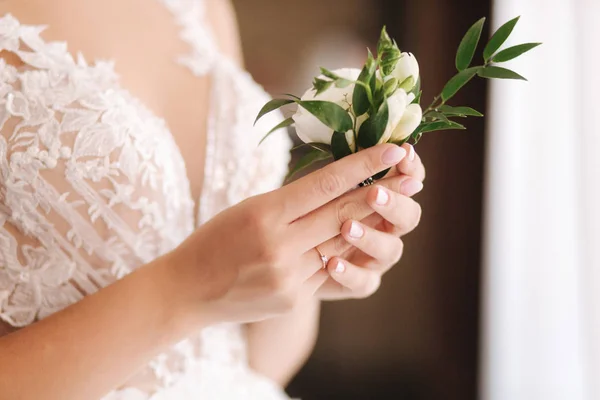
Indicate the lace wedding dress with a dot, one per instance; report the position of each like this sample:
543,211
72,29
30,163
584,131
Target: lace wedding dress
92,185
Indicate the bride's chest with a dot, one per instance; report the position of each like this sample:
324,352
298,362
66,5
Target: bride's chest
146,42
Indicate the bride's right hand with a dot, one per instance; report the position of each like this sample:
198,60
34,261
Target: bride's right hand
257,259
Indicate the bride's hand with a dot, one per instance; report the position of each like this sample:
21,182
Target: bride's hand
369,248
258,259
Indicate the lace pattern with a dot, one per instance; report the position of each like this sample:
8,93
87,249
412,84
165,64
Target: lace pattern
93,186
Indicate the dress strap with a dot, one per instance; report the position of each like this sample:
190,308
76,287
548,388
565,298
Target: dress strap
195,31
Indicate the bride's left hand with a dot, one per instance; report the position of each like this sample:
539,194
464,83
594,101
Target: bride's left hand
369,248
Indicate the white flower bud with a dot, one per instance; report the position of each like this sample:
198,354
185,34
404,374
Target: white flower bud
403,117
308,127
406,71
411,119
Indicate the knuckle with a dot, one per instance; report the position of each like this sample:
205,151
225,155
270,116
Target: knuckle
329,184
370,166
340,245
346,210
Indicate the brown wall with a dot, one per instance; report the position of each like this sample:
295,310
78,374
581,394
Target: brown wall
417,337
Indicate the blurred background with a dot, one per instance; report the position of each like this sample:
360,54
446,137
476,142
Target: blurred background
417,338
498,293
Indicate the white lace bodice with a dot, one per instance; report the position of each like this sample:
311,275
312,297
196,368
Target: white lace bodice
93,185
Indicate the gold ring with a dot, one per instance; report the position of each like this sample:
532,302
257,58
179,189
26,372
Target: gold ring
324,258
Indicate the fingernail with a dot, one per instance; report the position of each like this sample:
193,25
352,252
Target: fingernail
382,197
411,187
393,155
340,267
411,153
356,231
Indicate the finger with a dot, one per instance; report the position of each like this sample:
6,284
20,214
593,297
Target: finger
348,281
312,262
322,186
326,222
385,248
411,165
315,282
401,211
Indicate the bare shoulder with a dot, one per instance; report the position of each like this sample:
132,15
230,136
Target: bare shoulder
222,17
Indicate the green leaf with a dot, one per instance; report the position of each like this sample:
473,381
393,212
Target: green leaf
437,126
498,38
360,100
339,146
283,124
468,45
387,52
407,84
342,82
417,88
458,81
433,115
315,145
499,73
292,96
417,99
390,86
272,106
321,85
384,41
459,111
308,159
514,52
328,73
373,128
331,114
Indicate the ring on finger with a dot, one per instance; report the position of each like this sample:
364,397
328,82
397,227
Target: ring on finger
324,258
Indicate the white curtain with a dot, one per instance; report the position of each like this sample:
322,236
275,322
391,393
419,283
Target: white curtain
541,281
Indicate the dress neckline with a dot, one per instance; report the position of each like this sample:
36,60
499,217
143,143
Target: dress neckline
203,53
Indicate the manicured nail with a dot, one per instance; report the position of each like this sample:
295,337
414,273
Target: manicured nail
340,267
393,155
411,153
382,197
356,231
411,187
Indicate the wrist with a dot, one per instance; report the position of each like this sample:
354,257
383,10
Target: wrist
183,308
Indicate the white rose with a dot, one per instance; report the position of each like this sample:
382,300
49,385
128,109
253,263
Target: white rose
308,127
403,117
406,67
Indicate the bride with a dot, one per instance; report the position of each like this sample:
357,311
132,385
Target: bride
146,251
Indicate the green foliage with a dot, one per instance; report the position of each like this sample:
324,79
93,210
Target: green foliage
499,73
459,111
362,96
468,45
283,124
373,128
339,146
457,82
371,90
272,106
514,52
331,114
498,38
